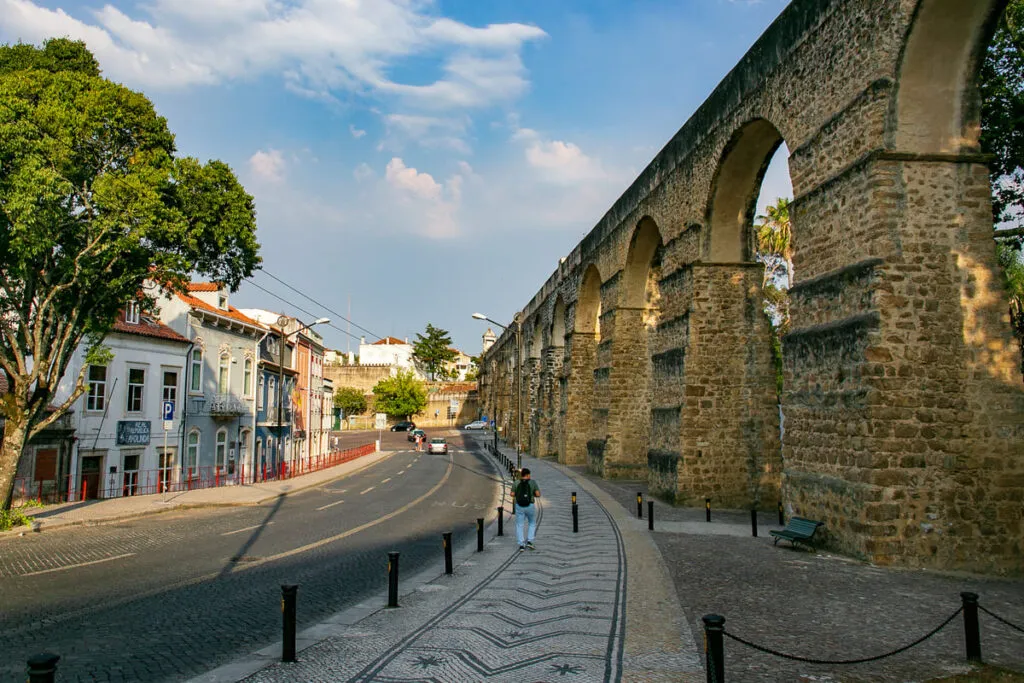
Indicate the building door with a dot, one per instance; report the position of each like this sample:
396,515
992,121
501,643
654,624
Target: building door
45,479
130,485
91,467
165,470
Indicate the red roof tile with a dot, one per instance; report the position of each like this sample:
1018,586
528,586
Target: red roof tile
203,287
232,312
147,327
389,340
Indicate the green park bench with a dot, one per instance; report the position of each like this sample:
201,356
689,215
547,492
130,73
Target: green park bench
798,530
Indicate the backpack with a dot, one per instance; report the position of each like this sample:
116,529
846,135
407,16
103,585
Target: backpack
524,494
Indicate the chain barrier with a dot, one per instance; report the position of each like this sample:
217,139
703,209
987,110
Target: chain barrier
1000,619
862,660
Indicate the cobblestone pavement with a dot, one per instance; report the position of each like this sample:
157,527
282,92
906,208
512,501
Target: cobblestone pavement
820,605
557,612
186,591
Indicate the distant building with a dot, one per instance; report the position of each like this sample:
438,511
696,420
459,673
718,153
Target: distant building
390,351
489,339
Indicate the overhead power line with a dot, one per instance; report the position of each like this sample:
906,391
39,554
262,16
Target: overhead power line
298,308
332,312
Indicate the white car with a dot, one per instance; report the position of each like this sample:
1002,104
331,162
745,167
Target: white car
438,446
479,424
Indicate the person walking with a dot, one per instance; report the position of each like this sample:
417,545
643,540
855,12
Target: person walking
526,510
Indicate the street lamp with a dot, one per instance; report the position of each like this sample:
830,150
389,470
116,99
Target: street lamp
518,322
281,322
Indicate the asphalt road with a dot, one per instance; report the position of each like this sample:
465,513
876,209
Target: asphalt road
167,597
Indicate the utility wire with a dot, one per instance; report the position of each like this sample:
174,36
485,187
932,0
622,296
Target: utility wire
298,308
271,275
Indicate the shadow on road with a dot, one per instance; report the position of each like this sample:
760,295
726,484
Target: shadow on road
240,556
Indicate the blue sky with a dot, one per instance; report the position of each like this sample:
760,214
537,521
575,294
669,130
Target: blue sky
424,160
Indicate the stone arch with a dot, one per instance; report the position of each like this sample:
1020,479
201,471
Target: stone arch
734,192
537,341
581,354
644,253
937,104
558,316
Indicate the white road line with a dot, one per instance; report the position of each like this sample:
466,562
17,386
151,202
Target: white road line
330,505
400,473
367,490
80,564
386,480
248,528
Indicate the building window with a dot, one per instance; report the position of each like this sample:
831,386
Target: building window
247,378
224,373
136,389
272,393
131,313
97,398
196,381
170,392
259,393
222,301
192,452
243,446
222,450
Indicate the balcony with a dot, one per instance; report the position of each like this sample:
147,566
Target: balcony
270,417
226,405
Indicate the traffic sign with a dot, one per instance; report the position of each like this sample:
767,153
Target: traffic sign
168,425
382,421
168,410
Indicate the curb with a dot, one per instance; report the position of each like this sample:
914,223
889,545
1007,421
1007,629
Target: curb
18,532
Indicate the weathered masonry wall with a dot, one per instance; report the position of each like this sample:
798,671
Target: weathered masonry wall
646,353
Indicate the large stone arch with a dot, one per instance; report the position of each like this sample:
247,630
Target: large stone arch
636,325
559,383
582,357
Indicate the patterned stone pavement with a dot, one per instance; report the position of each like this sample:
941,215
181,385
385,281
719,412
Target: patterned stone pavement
557,613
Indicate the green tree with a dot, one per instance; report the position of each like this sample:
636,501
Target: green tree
94,205
775,251
350,400
400,396
433,351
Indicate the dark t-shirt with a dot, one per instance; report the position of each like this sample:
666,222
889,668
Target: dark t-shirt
533,489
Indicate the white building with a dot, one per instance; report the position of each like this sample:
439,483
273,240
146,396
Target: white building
396,353
122,448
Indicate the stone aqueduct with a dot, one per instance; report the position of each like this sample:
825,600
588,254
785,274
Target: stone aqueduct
646,353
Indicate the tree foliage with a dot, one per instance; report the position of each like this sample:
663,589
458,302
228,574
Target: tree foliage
350,400
93,205
433,351
400,396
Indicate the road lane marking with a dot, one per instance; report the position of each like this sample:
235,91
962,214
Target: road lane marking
367,490
330,505
386,480
248,528
400,473
80,564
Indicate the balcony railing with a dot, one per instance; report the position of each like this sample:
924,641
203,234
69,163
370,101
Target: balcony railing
226,405
270,416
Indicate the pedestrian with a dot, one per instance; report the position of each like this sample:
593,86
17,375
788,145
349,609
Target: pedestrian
526,510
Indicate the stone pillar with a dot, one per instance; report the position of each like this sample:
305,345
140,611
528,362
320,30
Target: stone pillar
903,388
629,400
579,397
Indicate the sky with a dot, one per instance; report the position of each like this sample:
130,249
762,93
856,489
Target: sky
415,161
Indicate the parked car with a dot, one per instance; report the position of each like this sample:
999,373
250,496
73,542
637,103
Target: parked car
404,426
438,446
478,424
416,432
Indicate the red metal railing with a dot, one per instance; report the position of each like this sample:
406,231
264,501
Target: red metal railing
147,482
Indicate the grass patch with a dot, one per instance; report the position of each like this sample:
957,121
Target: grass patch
984,674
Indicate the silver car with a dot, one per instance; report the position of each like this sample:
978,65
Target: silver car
438,445
478,424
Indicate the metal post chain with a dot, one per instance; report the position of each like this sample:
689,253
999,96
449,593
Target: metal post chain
1000,619
862,660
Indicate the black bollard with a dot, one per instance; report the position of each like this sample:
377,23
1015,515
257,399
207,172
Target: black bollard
782,518
650,515
707,509
753,522
288,597
575,518
573,497
639,505
447,552
501,520
972,636
393,579
42,668
714,662
479,534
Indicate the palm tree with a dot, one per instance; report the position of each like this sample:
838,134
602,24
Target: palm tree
775,240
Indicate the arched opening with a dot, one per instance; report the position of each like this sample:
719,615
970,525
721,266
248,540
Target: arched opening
558,323
734,192
537,342
556,397
581,354
636,340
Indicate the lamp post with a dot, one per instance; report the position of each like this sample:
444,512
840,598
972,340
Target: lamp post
517,321
281,322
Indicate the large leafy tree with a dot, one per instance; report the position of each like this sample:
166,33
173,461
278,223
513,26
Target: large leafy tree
350,400
433,351
775,250
94,205
400,396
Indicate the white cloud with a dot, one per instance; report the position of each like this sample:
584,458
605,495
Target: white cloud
319,46
363,172
427,131
356,133
268,165
409,179
558,161
432,207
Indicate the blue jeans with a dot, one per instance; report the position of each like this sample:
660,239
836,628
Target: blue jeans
524,515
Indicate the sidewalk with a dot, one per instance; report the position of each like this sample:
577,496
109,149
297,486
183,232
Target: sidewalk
114,509
569,609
